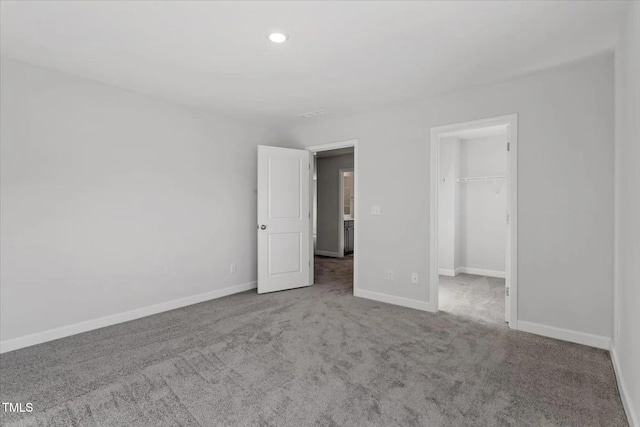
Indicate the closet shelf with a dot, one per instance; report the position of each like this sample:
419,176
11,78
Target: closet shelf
481,178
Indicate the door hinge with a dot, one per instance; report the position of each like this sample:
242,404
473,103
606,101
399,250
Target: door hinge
506,291
508,146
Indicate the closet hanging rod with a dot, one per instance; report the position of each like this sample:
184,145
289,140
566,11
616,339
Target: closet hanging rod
480,178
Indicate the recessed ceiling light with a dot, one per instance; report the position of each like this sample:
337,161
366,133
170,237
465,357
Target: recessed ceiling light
277,37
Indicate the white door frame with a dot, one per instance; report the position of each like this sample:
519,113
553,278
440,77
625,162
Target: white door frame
335,146
511,120
341,207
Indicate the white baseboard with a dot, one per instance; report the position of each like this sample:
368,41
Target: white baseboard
101,322
471,270
481,272
391,299
583,338
327,253
632,415
446,272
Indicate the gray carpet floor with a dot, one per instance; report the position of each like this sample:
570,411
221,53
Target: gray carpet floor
477,297
315,356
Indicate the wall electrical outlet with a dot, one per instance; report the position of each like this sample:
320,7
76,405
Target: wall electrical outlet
375,210
414,278
389,274
233,268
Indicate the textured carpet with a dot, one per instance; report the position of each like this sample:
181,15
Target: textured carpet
477,297
312,356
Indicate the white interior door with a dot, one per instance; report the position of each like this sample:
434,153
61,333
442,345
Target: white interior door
284,223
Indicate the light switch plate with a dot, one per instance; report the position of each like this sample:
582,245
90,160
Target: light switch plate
375,210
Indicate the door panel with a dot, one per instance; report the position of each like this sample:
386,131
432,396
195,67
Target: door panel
284,253
284,187
283,219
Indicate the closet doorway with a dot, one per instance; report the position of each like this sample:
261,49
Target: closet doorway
473,219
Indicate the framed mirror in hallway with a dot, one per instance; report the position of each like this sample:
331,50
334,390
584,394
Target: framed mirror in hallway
346,211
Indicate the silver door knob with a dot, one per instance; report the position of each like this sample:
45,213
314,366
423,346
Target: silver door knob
263,227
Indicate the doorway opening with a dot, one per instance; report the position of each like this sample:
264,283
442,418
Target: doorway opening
334,198
473,227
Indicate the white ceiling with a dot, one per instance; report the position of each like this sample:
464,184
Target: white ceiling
342,57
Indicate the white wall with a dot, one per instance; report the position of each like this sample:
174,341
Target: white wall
448,206
626,344
483,205
565,177
113,201
328,199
